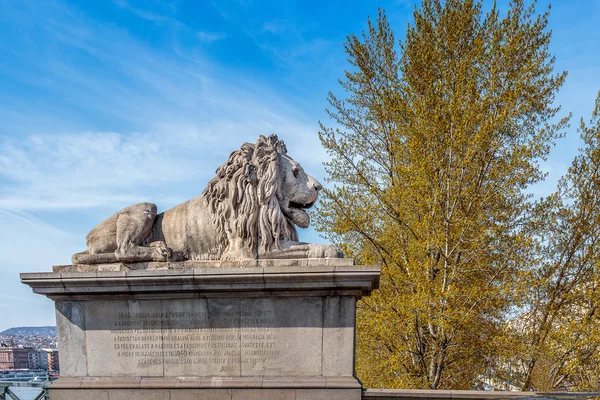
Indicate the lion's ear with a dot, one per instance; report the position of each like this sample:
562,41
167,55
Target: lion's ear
281,149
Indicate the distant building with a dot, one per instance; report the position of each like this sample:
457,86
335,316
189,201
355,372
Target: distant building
37,360
51,359
6,358
29,358
21,357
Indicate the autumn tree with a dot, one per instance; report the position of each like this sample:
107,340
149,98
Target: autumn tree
557,342
433,145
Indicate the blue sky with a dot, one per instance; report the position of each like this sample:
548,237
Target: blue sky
108,103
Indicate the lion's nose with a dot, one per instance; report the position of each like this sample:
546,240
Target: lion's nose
316,184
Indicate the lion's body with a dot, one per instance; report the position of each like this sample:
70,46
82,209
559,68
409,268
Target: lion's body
247,211
175,226
182,225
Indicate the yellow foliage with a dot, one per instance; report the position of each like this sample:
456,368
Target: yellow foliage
433,146
559,339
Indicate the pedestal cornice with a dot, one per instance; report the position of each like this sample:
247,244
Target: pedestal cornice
204,279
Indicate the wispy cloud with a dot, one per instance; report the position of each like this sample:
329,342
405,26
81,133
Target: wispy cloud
148,15
281,27
30,244
290,47
177,119
83,170
209,37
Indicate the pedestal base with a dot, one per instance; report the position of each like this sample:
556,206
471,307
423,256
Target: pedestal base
252,388
270,330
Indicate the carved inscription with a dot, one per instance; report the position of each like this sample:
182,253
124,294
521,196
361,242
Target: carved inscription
204,337
171,338
259,336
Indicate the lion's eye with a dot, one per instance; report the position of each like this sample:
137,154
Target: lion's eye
296,172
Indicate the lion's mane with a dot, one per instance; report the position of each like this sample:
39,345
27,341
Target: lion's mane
244,197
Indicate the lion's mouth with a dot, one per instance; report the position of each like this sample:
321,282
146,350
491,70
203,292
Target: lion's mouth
301,206
296,212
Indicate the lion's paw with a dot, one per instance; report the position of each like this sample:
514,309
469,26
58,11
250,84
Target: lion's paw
324,251
161,251
234,256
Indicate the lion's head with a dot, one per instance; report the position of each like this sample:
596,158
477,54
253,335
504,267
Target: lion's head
260,194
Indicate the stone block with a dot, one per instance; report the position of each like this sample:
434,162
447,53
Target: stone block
138,394
228,337
328,394
342,382
276,331
263,394
204,394
110,383
339,318
294,382
155,338
124,338
232,382
76,394
70,321
202,338
67,383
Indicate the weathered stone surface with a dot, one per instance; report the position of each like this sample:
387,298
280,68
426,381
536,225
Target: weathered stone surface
320,394
207,342
70,321
312,280
104,382
75,394
208,264
121,344
217,388
264,394
138,394
204,394
249,210
270,332
212,337
163,338
339,315
275,331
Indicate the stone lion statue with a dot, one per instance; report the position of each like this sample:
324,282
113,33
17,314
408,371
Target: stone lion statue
249,210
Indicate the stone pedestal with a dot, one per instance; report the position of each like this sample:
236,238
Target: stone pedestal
267,329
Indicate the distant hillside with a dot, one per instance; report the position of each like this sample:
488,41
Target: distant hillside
31,331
